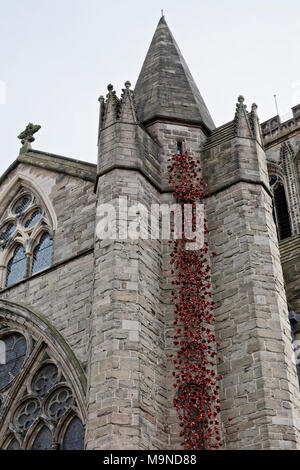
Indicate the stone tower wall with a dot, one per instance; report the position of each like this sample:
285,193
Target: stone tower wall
62,292
259,389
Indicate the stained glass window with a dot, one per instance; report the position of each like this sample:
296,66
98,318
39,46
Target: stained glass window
43,440
7,232
74,436
42,404
27,414
22,205
42,254
33,219
12,356
16,268
59,403
44,379
26,211
13,445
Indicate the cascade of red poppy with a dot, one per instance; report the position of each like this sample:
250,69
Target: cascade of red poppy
196,381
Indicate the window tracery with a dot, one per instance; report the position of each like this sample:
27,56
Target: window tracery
26,237
38,404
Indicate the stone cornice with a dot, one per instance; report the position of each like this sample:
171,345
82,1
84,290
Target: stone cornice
69,166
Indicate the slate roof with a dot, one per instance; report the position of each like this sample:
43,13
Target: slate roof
165,87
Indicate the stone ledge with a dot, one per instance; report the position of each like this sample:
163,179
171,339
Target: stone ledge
60,164
289,248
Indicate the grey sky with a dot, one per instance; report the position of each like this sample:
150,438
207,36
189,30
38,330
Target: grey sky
57,57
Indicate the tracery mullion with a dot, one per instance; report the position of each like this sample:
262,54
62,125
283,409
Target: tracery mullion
16,389
28,265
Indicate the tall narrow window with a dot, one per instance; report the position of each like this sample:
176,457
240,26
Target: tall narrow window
42,253
43,440
74,436
281,210
13,445
179,147
13,351
16,268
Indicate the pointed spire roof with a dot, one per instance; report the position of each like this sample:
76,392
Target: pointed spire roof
165,87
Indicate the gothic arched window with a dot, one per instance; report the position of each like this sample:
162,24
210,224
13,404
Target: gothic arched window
281,210
25,223
38,404
16,267
42,254
73,439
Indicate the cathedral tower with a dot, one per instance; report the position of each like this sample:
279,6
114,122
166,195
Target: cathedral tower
86,318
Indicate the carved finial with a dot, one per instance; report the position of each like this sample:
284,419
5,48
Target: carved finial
254,121
110,87
127,84
101,99
27,135
241,119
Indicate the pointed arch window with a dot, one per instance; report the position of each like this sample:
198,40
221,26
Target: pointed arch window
27,223
74,437
43,440
42,254
42,413
14,445
280,209
16,267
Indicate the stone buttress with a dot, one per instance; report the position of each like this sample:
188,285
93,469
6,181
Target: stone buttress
260,390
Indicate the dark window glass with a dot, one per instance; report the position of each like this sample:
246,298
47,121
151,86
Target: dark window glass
42,254
74,438
16,268
179,147
59,402
22,205
27,414
7,232
44,379
12,357
13,445
282,212
43,440
33,219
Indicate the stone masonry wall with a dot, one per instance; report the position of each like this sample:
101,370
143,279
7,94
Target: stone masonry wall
63,292
290,259
167,135
127,374
259,390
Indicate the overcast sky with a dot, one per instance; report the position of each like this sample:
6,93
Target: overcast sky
58,56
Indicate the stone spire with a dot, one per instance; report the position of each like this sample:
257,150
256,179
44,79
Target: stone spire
165,88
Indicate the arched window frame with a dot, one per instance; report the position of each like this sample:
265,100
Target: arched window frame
275,172
10,255
35,243
28,237
44,346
